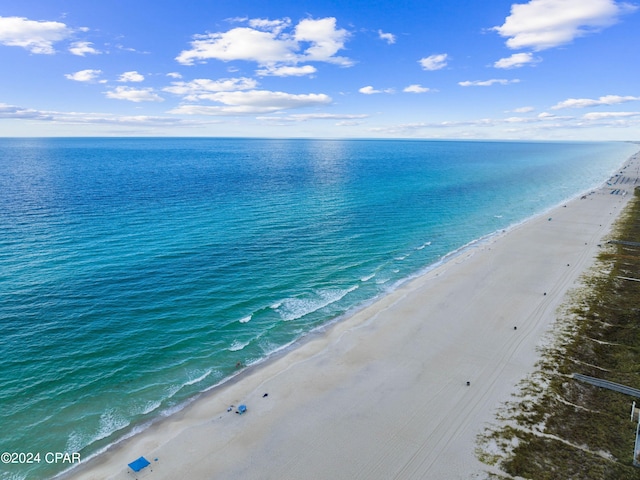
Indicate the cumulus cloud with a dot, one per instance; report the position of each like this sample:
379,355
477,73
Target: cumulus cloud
240,44
88,75
132,76
487,83
174,75
369,90
134,94
590,102
287,71
253,101
416,89
390,38
83,48
35,36
516,60
543,24
237,96
272,43
326,40
434,62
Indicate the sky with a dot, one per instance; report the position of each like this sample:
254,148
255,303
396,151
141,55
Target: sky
455,69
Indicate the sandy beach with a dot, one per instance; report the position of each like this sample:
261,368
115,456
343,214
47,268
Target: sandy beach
402,388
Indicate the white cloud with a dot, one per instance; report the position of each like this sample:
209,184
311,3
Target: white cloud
124,120
270,25
516,60
14,112
202,88
131,77
487,83
608,115
174,75
132,50
134,95
539,121
287,71
542,24
35,36
523,109
542,126
88,75
390,38
240,44
326,40
434,62
416,89
369,90
253,101
327,116
311,40
82,48
520,120
304,117
589,102
348,123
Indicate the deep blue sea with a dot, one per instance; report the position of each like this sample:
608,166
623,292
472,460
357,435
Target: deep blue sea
137,272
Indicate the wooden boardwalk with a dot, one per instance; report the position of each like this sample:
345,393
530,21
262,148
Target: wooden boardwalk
634,392
624,242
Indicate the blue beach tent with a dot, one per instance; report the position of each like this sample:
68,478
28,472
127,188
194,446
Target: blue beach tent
139,464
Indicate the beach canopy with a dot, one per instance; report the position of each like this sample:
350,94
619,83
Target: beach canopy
139,464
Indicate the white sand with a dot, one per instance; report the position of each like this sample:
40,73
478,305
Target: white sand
383,394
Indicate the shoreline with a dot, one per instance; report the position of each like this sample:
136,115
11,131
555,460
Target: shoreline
307,382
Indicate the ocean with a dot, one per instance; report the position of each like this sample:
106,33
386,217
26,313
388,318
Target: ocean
136,273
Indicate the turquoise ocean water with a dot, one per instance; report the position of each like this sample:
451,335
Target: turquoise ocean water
136,273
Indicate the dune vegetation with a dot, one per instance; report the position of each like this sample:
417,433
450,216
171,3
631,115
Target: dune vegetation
558,427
